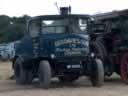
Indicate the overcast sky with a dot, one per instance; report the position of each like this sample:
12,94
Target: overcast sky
41,7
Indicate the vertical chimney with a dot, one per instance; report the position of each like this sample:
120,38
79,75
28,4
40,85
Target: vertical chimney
65,10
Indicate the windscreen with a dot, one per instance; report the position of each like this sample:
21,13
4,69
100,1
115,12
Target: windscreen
69,25
54,26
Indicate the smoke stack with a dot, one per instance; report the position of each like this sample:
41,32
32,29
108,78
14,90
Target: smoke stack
65,10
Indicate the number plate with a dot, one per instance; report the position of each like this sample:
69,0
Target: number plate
73,66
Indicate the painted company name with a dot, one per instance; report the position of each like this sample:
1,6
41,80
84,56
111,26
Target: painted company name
69,41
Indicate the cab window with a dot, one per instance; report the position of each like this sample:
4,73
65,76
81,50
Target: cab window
54,26
34,28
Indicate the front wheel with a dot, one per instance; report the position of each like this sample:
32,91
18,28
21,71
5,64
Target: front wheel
44,74
22,75
97,76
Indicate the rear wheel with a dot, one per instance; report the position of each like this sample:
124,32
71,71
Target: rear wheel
124,68
22,75
98,48
44,74
97,76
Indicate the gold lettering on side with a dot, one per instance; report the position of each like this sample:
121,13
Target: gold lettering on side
71,40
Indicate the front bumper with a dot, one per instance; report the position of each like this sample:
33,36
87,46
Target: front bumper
71,65
71,58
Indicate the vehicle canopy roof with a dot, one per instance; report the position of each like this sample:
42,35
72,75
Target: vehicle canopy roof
112,15
54,17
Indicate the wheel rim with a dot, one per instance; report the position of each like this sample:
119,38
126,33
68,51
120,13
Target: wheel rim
124,67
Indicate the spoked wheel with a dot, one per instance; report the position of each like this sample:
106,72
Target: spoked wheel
124,68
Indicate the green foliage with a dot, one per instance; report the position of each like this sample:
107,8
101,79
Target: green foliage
12,29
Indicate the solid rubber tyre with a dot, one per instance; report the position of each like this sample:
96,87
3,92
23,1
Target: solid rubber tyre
21,75
97,76
44,74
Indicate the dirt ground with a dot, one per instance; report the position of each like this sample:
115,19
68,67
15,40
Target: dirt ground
113,86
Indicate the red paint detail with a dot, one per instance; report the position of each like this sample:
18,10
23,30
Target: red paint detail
124,67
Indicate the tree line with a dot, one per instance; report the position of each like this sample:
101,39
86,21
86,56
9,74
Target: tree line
12,28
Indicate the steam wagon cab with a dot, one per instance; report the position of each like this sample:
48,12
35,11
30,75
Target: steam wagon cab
57,46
